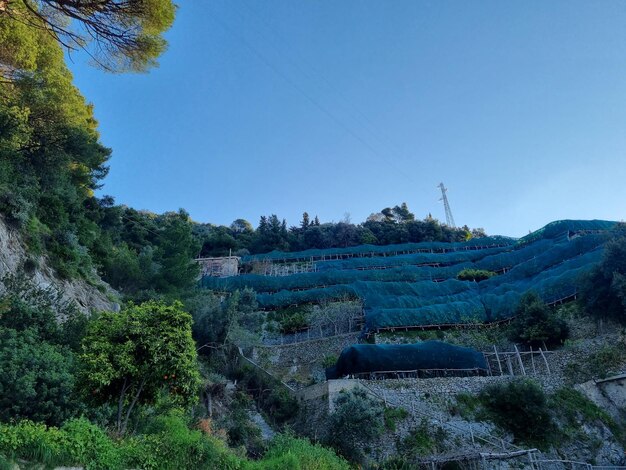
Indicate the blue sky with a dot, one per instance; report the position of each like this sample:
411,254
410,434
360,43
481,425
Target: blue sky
283,106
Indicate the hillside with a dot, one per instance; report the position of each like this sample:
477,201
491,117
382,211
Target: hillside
323,308
416,286
15,258
131,339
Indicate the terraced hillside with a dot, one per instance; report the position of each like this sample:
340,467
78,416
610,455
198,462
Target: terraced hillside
415,285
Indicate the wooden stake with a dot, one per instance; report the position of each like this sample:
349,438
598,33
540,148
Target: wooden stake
508,363
545,360
498,359
519,359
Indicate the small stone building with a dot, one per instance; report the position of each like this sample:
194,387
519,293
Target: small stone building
224,266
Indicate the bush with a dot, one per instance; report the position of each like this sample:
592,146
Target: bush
535,323
36,379
329,361
466,406
520,407
168,444
36,358
287,452
271,397
421,441
357,419
475,275
291,319
392,416
78,442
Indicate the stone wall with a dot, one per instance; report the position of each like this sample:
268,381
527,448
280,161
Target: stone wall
301,363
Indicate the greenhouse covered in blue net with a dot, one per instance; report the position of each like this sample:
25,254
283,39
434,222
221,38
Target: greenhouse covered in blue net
415,285
424,357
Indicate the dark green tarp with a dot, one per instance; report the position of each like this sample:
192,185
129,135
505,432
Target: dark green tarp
425,356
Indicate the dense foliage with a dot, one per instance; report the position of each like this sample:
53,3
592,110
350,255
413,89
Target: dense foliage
124,35
357,419
521,407
51,162
168,443
37,362
274,234
129,357
475,275
537,324
604,293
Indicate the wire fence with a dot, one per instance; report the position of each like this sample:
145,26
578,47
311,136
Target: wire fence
338,328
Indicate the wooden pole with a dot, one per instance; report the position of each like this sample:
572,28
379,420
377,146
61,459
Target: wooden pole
532,360
519,359
509,365
498,359
545,360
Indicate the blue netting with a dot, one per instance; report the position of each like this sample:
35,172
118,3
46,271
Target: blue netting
399,289
371,250
424,356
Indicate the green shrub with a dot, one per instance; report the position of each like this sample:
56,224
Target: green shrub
357,419
603,292
271,397
535,323
168,444
329,361
291,319
36,358
287,452
392,416
475,275
422,441
520,407
241,431
466,406
78,442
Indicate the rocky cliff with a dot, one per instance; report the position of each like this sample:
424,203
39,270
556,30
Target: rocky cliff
87,297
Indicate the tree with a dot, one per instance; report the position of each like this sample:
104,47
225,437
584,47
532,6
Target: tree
128,358
175,252
535,323
604,291
240,226
304,224
119,35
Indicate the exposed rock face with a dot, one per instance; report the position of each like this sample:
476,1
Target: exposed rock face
87,298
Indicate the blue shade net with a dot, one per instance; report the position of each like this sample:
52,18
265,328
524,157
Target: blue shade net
415,284
424,357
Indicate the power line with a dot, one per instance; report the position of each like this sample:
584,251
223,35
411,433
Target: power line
304,93
315,74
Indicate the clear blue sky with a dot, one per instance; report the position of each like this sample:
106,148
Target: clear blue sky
263,107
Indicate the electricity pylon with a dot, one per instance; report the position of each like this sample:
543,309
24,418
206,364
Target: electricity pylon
446,205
